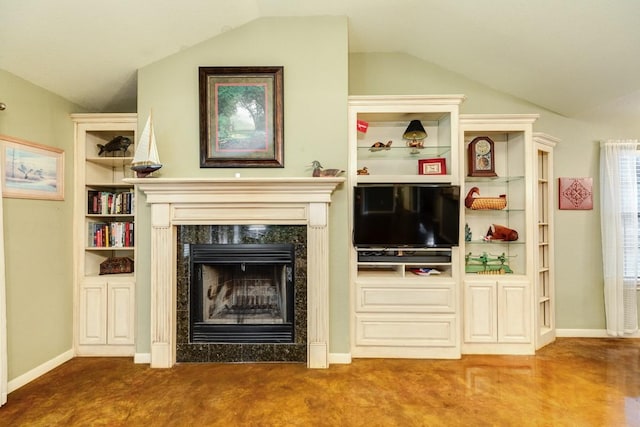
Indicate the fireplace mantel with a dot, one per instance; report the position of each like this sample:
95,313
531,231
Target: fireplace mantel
195,201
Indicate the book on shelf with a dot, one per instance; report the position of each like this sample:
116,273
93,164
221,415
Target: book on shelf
110,203
111,235
424,271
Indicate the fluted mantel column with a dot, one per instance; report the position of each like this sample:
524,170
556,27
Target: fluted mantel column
286,201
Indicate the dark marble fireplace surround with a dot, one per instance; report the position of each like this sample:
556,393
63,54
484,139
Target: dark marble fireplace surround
249,352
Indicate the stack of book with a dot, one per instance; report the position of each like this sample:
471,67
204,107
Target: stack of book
110,235
108,203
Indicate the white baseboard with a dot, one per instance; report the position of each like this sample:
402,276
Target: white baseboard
589,333
38,371
340,358
142,358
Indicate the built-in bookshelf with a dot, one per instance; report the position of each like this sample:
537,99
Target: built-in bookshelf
104,228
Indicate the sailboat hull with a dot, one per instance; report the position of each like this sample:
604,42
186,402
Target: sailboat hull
144,170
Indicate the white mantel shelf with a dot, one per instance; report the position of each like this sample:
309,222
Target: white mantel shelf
179,201
284,189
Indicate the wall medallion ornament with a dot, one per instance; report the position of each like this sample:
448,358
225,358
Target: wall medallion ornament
575,193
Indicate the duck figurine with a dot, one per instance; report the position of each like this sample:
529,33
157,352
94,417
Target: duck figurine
490,203
363,171
318,170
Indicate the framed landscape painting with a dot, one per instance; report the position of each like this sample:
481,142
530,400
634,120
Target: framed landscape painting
241,117
31,171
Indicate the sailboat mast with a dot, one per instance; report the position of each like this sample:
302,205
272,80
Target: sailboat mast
150,134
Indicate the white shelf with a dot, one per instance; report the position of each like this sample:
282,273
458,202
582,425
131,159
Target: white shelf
110,161
107,185
398,179
110,248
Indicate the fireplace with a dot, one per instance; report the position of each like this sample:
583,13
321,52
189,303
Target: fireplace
196,201
242,293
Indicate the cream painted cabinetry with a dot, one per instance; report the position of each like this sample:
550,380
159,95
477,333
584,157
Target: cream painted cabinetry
497,311
465,309
399,314
104,230
396,312
106,313
508,310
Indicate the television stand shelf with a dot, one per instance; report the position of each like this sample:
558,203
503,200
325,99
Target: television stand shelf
404,262
405,256
406,303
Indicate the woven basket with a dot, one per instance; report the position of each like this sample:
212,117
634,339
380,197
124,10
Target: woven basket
487,203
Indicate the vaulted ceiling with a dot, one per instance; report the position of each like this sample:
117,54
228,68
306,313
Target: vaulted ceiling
569,56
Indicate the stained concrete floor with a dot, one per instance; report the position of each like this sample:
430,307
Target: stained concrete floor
573,382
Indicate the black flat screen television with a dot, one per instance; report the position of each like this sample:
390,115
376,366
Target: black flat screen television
406,215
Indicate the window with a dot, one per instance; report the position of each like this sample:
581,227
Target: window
630,202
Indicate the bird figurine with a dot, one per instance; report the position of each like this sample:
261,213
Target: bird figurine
318,170
363,171
377,146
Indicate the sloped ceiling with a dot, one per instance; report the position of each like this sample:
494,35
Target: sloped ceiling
568,56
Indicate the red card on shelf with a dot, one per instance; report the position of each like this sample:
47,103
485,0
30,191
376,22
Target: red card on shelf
362,126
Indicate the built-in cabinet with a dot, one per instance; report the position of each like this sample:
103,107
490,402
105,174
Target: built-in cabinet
496,311
104,235
493,294
106,313
500,240
397,310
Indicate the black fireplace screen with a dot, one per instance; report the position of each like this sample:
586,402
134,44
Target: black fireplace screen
242,293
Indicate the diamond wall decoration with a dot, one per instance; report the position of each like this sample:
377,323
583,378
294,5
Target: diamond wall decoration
575,193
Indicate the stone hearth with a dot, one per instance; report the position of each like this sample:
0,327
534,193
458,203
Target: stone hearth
285,201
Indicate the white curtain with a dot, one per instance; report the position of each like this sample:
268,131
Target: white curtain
3,311
4,374
619,225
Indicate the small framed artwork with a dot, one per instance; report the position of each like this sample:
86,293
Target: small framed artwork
436,166
31,171
241,117
575,193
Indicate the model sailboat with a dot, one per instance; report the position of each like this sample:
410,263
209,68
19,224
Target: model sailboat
146,159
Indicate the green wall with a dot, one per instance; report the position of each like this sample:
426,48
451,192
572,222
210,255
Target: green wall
38,244
313,52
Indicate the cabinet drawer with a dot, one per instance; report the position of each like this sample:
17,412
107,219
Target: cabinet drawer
416,299
405,331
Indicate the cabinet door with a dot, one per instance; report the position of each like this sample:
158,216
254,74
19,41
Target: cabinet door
93,313
480,312
120,323
514,323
